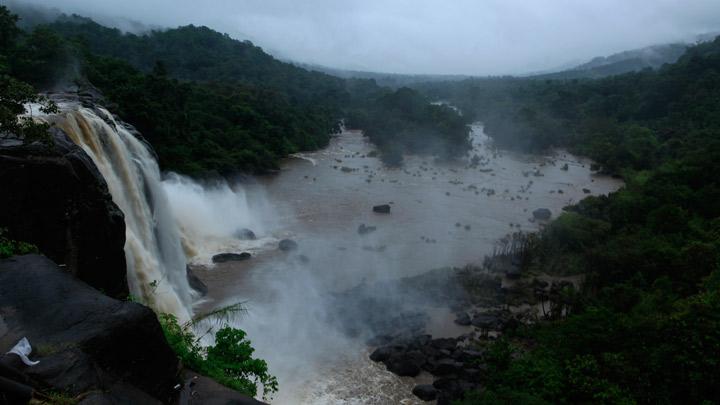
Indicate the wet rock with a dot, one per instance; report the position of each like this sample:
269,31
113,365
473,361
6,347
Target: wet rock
382,209
382,353
405,364
486,321
365,229
463,319
426,392
244,234
542,214
447,366
565,167
231,257
586,191
287,245
85,341
444,343
195,282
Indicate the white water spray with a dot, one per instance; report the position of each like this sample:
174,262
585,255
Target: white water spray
156,264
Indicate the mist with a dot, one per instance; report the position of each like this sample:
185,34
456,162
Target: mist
429,36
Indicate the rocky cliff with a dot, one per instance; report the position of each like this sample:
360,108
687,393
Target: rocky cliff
54,197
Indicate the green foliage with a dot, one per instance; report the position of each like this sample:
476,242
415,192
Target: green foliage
647,327
10,247
229,361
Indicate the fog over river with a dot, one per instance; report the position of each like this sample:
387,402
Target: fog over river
442,214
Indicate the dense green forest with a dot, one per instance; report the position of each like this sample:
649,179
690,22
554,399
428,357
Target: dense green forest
646,327
212,105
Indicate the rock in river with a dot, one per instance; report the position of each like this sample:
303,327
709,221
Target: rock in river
426,392
287,245
542,214
244,234
230,257
382,209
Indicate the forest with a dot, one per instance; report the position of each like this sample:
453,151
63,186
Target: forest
212,105
646,326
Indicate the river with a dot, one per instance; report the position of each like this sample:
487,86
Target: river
442,214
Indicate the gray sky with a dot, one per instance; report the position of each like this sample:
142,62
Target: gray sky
429,36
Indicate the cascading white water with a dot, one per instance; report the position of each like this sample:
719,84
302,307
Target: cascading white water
156,263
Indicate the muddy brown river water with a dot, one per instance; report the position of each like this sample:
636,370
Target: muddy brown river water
442,214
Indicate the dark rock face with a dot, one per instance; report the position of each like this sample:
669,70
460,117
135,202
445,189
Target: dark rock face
245,234
84,340
382,209
426,392
542,214
195,282
54,197
287,245
231,257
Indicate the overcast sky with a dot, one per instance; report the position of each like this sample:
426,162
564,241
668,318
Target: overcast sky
428,36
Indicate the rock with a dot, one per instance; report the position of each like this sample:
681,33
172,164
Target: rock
463,319
84,340
444,343
542,214
406,364
447,366
231,257
287,245
513,272
565,167
364,229
200,390
54,197
382,209
244,234
586,190
382,353
195,282
486,321
426,392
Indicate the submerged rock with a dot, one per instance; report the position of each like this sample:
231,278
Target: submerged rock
195,282
244,234
231,257
365,229
542,214
287,245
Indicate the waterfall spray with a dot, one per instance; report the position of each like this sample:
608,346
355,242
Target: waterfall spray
156,264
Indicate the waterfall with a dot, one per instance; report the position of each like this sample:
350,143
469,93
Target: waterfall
156,263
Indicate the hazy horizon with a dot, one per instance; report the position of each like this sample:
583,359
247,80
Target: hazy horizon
494,37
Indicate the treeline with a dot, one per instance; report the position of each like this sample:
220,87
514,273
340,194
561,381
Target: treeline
646,326
213,105
404,122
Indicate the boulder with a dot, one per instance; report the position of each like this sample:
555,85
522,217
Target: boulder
200,390
382,209
463,319
486,321
84,340
230,257
364,229
54,197
406,364
287,245
542,214
244,234
195,282
447,366
426,392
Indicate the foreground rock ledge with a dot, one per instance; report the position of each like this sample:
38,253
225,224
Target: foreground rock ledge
89,345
